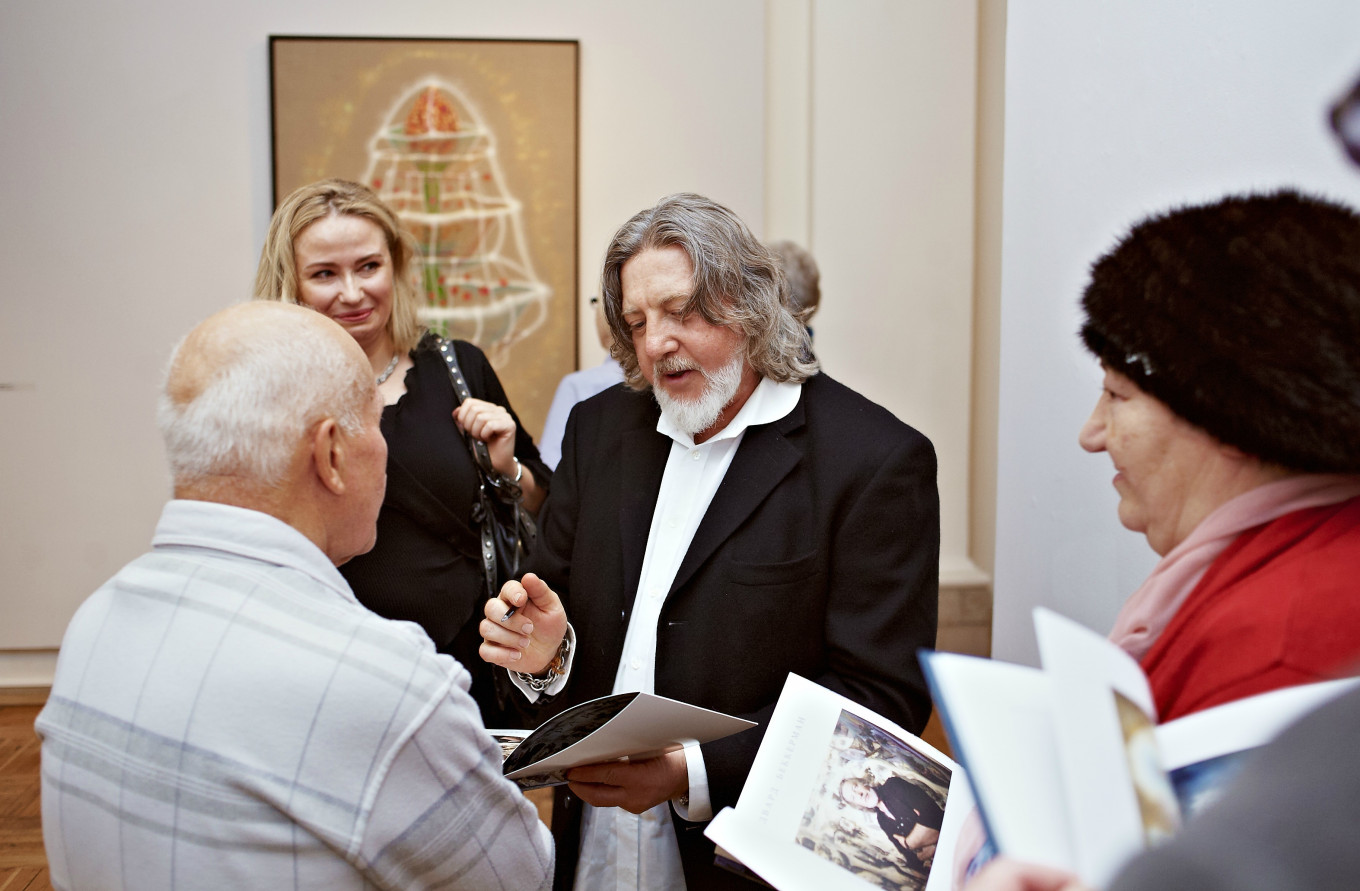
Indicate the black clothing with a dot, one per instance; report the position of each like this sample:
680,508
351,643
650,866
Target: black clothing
909,805
422,567
819,555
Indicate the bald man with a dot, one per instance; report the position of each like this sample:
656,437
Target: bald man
225,714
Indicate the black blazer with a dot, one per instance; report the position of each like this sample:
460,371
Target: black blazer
819,555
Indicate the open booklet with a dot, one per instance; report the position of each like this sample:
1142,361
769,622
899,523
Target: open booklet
840,797
625,725
1068,763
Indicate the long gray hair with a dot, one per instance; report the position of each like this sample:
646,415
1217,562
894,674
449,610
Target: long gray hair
738,282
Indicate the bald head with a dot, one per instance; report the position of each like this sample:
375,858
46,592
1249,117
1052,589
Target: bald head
244,388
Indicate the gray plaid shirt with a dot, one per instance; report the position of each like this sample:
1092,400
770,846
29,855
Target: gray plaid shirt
226,715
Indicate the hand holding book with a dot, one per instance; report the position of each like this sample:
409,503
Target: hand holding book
638,727
635,786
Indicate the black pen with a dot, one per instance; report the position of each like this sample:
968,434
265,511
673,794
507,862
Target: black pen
508,613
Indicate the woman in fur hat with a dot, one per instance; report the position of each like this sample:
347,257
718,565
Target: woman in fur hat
1230,339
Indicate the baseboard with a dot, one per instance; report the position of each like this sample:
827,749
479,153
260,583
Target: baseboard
960,572
23,695
27,675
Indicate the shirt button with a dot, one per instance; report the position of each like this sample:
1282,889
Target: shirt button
694,455
636,664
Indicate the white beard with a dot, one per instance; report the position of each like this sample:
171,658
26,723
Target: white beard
697,415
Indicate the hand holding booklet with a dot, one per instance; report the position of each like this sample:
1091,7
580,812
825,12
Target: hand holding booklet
634,726
840,797
1068,764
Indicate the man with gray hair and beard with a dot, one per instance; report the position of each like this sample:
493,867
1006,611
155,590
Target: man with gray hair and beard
733,517
225,714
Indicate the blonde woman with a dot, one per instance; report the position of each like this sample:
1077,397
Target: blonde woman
335,247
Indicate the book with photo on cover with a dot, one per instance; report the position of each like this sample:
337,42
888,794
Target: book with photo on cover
1068,763
840,797
632,726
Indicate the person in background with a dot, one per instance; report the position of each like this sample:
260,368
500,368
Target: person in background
1344,119
579,386
224,713
800,270
729,517
335,247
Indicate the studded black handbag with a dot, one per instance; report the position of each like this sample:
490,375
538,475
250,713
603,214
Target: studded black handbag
505,527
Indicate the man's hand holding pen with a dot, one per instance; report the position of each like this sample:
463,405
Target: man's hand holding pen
523,627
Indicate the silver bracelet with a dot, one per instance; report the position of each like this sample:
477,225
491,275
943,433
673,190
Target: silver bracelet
498,479
556,668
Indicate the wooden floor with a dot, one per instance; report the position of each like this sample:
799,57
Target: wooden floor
23,865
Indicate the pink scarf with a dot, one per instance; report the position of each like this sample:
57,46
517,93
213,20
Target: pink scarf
1145,615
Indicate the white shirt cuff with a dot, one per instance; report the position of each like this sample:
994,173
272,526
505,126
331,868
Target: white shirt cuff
558,682
695,805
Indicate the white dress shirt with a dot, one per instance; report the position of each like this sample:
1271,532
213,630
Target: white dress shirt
620,850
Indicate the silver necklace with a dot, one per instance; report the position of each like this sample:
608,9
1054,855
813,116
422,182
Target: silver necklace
391,367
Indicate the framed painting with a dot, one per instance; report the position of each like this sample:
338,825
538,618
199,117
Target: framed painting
473,144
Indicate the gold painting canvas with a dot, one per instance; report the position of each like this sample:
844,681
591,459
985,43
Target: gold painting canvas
473,143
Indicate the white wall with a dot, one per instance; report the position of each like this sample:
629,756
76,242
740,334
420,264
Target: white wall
1115,110
894,95
136,193
870,165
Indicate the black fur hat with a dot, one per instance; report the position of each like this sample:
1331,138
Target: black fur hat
1243,316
